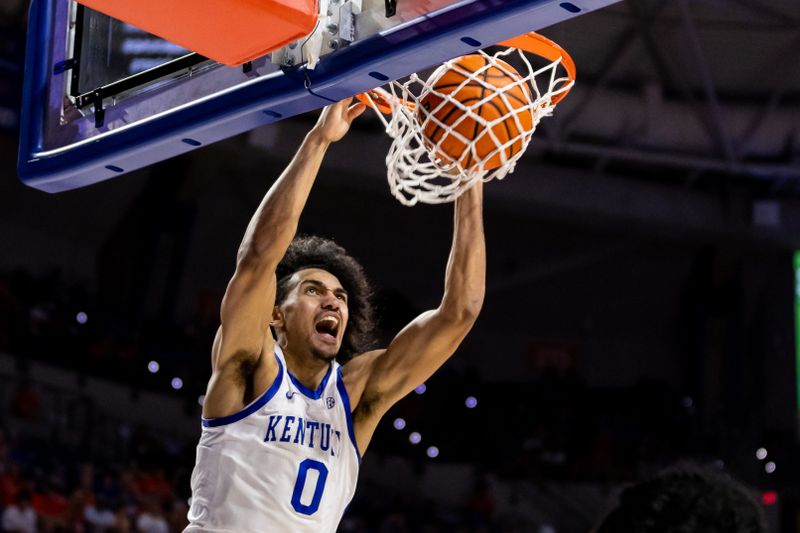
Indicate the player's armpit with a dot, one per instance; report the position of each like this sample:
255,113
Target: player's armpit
239,368
238,376
356,372
235,382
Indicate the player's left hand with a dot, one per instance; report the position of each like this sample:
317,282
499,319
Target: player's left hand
334,121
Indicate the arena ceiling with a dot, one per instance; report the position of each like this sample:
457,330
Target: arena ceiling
697,87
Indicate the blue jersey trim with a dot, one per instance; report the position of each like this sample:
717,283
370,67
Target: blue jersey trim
253,407
313,394
347,413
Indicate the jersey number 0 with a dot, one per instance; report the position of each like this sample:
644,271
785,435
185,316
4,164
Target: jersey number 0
299,485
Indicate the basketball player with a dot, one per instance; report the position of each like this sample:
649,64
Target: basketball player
686,499
284,425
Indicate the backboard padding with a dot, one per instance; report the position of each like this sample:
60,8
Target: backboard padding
63,148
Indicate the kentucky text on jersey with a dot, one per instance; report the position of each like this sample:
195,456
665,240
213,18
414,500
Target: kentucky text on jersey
302,432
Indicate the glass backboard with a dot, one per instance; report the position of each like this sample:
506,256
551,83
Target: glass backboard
102,97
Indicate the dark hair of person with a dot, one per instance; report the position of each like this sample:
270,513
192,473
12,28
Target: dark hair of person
686,499
318,252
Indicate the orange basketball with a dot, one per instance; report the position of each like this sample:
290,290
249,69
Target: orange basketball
448,81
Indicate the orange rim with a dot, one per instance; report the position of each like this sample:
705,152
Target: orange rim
530,42
543,47
379,99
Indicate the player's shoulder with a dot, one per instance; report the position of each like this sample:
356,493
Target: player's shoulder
356,372
360,363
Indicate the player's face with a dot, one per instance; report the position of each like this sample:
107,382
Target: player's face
314,313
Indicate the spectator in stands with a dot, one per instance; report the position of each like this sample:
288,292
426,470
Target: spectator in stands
151,519
123,522
177,515
50,505
11,484
99,516
74,517
108,490
129,489
20,517
686,499
154,483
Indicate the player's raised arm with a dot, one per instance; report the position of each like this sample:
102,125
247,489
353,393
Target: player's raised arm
381,378
250,295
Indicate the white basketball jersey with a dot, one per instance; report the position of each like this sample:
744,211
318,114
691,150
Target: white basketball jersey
288,462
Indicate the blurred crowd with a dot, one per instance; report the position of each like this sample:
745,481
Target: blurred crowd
47,485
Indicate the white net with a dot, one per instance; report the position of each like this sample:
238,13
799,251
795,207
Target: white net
446,136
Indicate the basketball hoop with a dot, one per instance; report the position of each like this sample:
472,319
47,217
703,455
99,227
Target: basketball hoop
420,168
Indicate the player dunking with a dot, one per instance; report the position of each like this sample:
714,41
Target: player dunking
284,424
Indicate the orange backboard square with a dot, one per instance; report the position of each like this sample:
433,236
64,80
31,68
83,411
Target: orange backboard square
231,32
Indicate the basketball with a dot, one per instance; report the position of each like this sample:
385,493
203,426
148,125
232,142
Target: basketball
507,112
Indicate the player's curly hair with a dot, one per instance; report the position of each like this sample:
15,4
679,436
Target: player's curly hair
318,252
686,499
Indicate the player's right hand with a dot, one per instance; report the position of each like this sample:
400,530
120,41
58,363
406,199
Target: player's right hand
335,119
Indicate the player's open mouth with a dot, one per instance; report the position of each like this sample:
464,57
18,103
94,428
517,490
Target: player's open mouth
328,327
